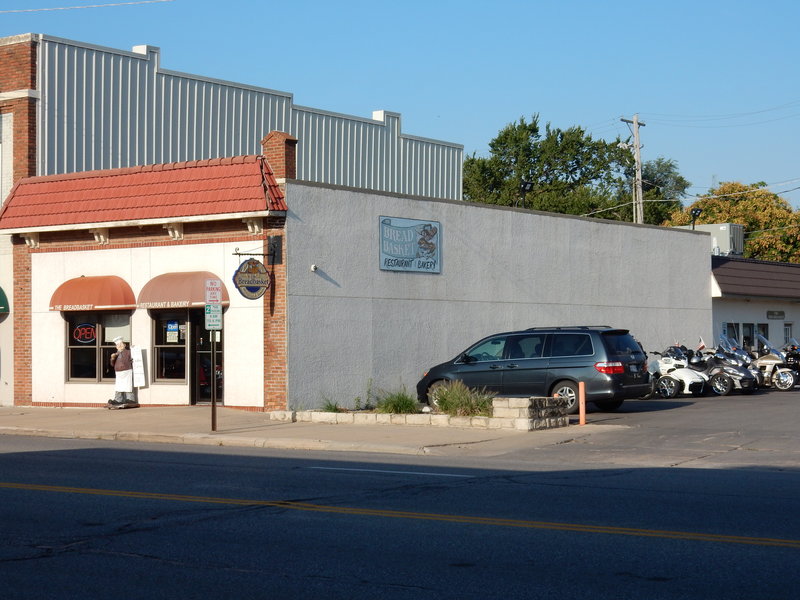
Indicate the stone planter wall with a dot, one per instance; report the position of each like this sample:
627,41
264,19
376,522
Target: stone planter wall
522,414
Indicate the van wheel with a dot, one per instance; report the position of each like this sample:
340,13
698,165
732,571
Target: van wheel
609,405
433,401
568,390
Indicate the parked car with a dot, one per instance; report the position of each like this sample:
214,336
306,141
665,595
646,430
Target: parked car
543,361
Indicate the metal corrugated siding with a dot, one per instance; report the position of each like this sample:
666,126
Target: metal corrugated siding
104,109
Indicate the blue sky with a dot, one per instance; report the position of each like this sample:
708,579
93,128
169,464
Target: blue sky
715,82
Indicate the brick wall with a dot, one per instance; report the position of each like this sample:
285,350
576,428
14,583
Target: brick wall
18,74
280,150
23,377
275,330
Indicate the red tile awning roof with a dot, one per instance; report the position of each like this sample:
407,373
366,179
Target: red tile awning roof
240,186
103,292
178,290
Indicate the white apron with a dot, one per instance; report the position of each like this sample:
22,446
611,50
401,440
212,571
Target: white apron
124,381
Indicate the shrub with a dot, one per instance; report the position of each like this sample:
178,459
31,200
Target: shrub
331,406
368,401
457,400
397,403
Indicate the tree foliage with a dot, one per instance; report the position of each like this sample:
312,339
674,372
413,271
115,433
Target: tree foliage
570,171
771,226
663,187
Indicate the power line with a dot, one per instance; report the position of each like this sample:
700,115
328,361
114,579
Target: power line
749,192
666,116
751,233
25,10
675,124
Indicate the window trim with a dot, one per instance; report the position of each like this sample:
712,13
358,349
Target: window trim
101,348
183,317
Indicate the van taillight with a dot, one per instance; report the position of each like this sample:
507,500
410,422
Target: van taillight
610,368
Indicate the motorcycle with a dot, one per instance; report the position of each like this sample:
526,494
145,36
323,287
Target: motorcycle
725,371
773,364
671,374
792,352
732,348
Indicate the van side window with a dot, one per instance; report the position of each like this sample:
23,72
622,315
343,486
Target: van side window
572,344
491,349
525,346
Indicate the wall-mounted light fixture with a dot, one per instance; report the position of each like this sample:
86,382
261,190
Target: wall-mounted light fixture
695,213
524,188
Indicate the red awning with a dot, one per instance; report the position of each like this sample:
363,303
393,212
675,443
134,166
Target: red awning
104,292
178,290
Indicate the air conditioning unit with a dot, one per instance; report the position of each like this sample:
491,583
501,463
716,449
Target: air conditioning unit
726,238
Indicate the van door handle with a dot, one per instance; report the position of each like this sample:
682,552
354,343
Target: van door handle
512,366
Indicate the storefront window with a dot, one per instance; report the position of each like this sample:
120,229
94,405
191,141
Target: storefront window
90,345
170,345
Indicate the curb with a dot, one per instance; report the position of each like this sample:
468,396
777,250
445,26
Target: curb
208,439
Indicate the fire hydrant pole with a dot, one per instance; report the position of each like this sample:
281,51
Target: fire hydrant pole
582,403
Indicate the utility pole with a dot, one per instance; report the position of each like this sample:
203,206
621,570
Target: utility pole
638,199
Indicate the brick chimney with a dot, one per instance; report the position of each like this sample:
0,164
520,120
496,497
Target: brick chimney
280,150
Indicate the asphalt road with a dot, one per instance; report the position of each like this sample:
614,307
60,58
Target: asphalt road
685,499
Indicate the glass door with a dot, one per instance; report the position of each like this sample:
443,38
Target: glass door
207,361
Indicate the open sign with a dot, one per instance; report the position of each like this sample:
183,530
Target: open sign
85,333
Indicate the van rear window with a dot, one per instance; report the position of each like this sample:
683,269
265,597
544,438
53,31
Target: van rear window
622,343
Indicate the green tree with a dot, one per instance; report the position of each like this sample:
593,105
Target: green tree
771,226
663,187
570,172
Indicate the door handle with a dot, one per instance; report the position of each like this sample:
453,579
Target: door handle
494,367
512,366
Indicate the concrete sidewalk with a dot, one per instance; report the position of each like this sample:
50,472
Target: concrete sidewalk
192,425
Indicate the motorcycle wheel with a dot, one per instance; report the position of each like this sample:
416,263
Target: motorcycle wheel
721,384
784,380
668,387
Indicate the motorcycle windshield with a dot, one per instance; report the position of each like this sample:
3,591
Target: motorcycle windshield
765,343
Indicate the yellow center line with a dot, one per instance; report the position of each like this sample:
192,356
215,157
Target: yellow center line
497,522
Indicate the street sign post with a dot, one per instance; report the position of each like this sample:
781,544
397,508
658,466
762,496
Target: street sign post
213,323
213,317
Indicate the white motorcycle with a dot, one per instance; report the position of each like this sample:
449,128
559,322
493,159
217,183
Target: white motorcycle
673,376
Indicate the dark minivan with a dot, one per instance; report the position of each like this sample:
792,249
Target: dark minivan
544,361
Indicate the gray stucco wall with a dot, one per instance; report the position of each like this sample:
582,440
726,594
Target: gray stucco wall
351,323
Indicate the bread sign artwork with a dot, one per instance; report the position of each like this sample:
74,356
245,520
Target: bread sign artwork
252,279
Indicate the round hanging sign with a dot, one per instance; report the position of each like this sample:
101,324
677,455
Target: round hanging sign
252,279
